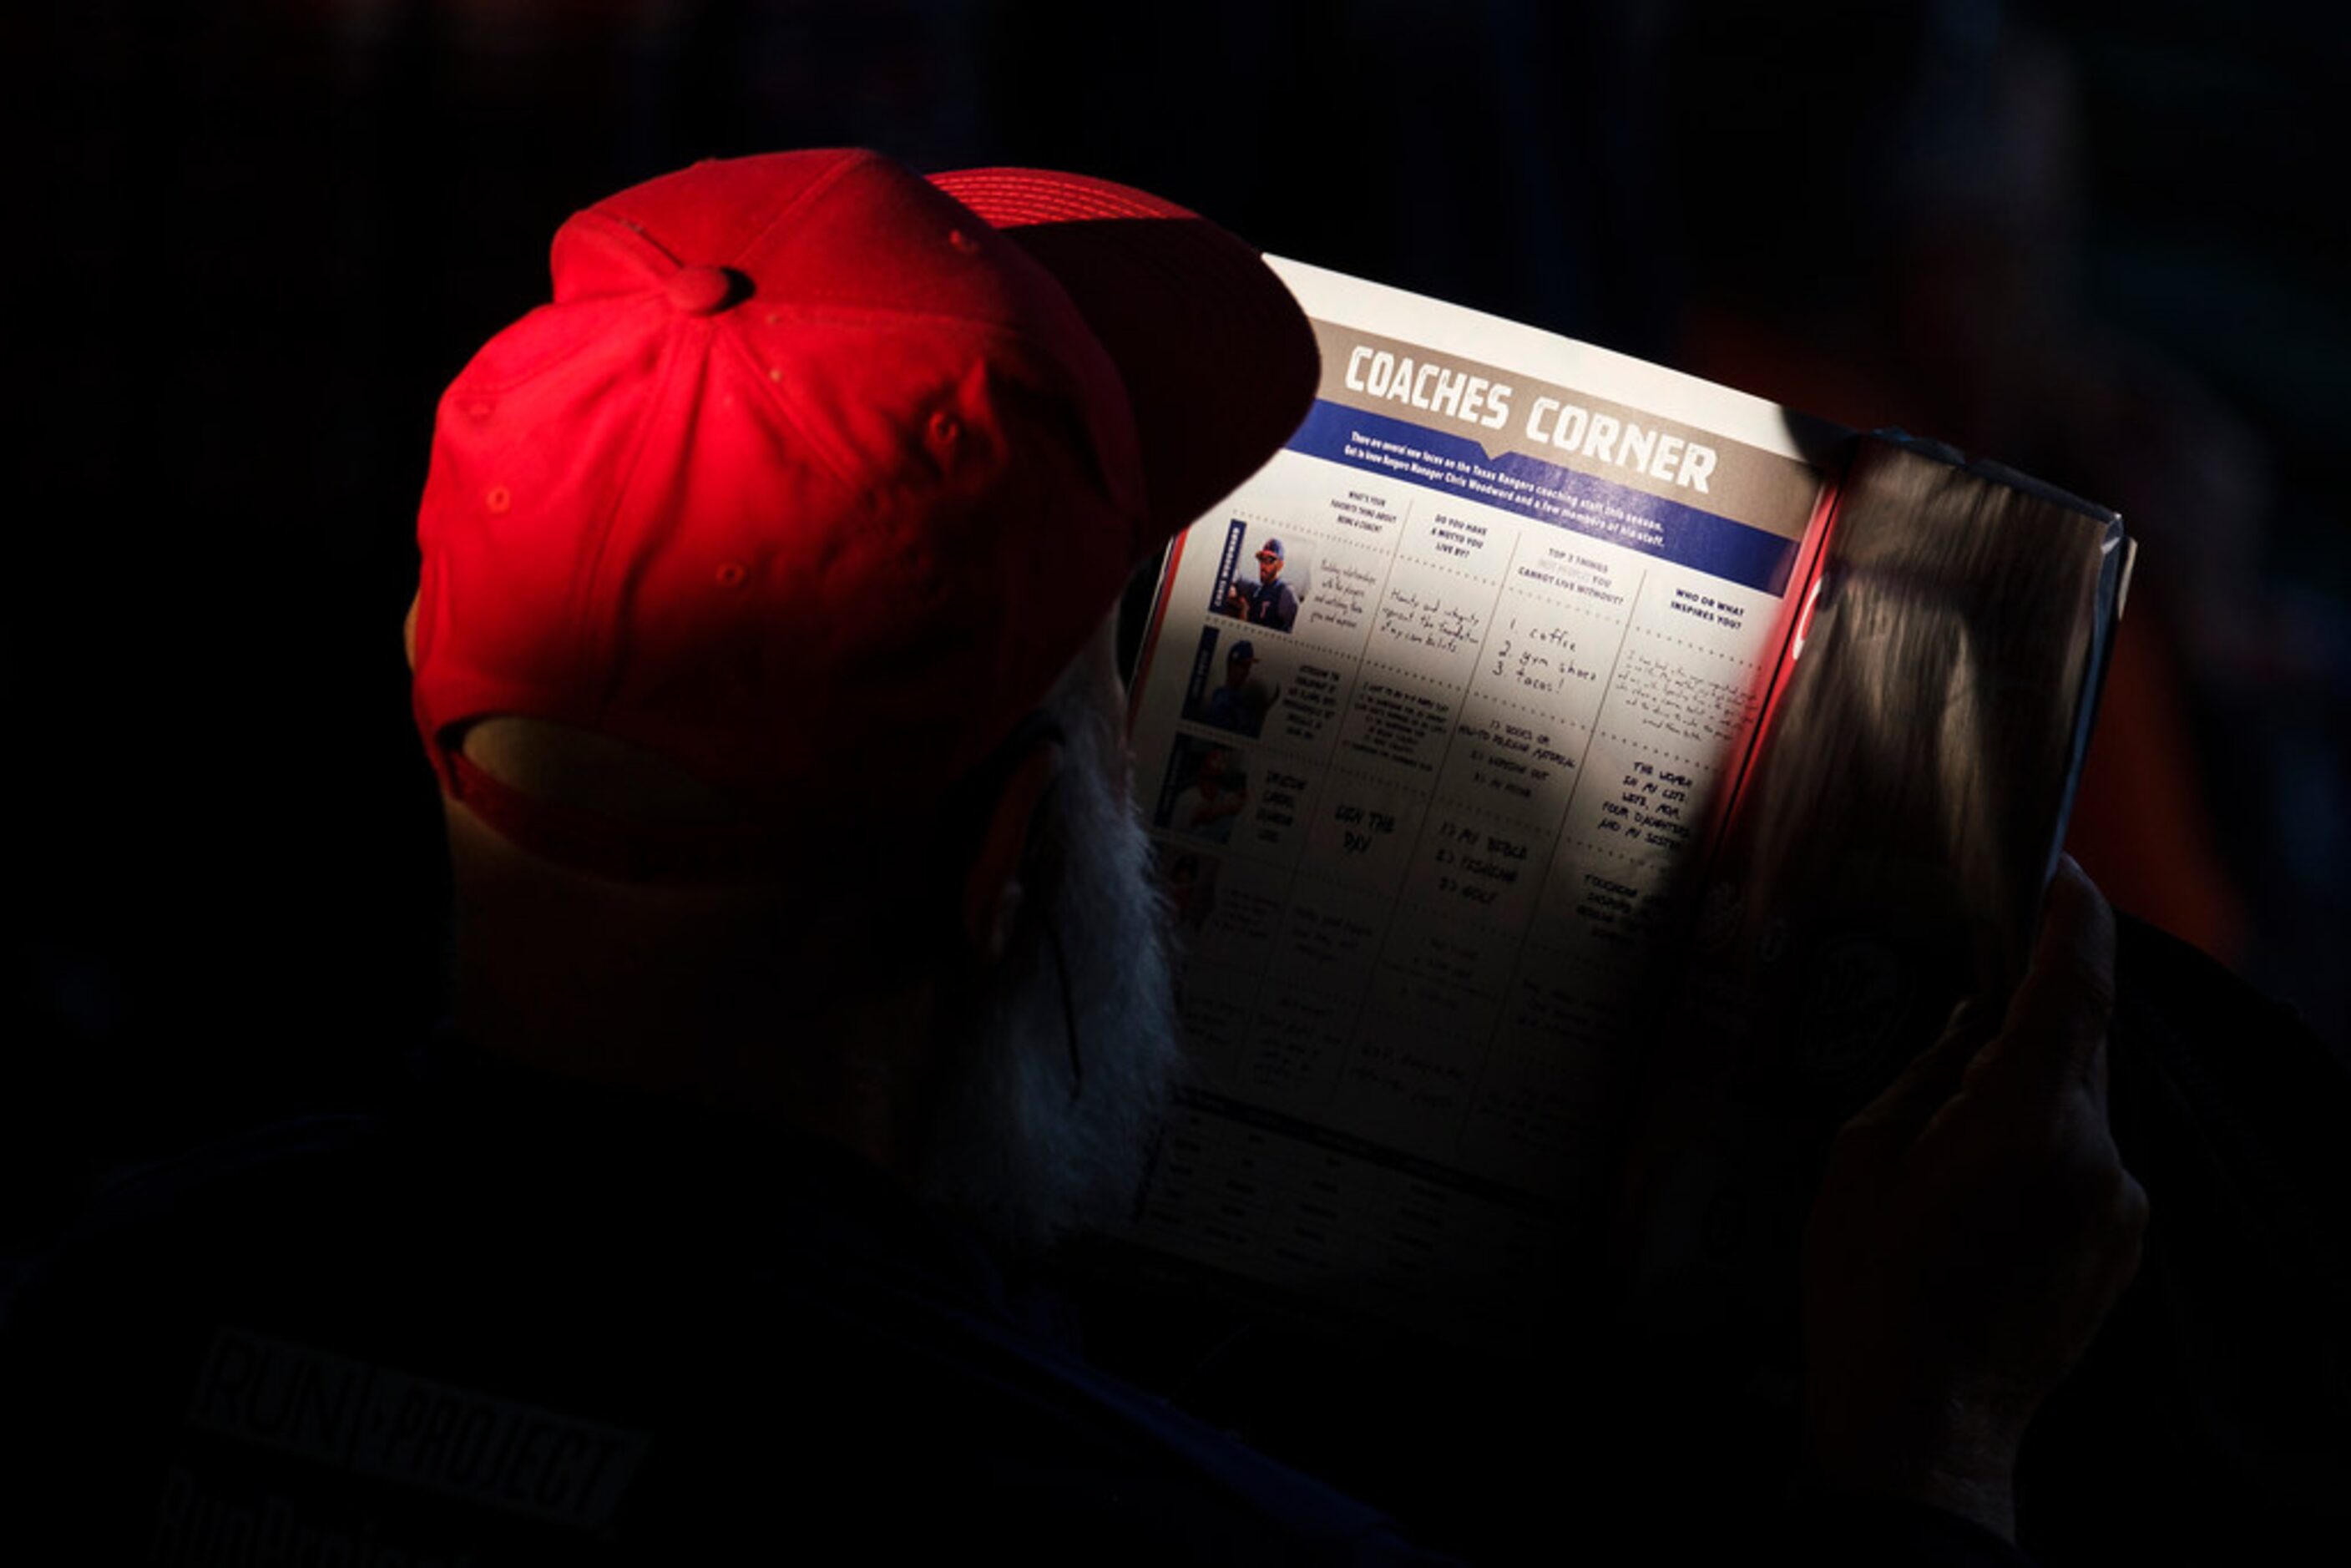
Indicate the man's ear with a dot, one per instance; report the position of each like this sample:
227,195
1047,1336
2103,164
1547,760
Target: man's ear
992,886
408,631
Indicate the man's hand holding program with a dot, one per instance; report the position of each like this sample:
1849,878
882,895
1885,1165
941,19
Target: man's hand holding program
1974,1228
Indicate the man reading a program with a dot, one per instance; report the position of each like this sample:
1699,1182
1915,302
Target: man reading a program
809,975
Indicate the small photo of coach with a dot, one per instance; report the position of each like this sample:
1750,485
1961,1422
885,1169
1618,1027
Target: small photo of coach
1271,601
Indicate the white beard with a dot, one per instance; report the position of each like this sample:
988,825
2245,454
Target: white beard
1030,1146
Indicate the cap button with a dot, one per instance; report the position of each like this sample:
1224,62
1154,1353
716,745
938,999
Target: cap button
702,290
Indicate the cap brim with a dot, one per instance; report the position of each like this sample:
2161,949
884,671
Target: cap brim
1219,362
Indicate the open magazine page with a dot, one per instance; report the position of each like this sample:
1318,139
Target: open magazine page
1430,724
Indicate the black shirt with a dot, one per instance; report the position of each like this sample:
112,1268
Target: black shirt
507,1319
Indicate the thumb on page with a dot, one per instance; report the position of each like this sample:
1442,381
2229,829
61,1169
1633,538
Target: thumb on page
1891,1122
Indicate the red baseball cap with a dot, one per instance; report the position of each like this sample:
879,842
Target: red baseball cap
816,472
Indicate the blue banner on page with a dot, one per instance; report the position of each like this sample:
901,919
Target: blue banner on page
1548,493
